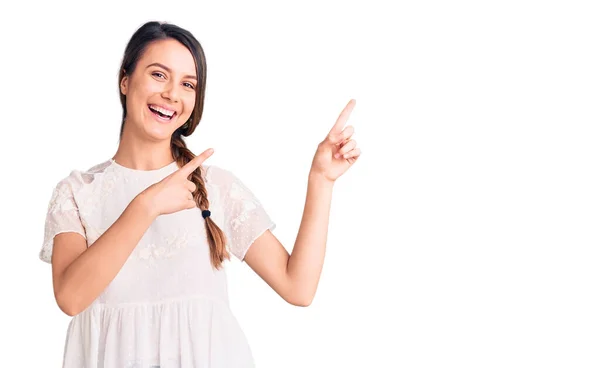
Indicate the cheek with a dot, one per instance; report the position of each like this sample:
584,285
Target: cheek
149,88
188,104
139,94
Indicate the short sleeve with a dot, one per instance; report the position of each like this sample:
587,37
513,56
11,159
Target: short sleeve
62,216
244,217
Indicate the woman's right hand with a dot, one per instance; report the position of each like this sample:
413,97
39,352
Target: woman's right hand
174,192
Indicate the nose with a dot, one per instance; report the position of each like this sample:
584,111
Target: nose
171,92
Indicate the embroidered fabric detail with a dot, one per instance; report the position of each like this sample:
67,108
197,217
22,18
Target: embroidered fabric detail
166,247
62,216
245,219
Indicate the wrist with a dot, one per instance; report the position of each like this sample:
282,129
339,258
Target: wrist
319,179
143,202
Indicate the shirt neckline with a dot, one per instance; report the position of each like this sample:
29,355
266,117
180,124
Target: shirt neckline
165,168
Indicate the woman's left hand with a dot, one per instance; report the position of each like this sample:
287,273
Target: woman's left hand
338,151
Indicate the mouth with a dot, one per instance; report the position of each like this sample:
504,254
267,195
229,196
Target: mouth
162,113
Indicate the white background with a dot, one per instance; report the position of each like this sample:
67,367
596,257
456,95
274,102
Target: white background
467,235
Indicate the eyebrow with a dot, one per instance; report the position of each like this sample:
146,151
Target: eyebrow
169,70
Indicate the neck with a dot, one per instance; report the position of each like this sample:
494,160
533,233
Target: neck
141,154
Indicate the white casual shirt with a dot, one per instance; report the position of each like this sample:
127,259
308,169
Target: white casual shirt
167,306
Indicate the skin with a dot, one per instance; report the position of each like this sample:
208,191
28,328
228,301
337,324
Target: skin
80,273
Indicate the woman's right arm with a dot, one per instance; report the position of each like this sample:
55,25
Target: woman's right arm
79,273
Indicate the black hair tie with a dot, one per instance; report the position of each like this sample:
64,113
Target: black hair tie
205,213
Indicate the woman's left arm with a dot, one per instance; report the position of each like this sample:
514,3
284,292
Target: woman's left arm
295,277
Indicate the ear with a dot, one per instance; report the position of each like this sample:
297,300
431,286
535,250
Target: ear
123,84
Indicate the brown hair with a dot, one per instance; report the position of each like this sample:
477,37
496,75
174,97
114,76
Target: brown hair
146,34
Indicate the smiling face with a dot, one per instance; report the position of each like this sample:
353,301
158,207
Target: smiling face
161,92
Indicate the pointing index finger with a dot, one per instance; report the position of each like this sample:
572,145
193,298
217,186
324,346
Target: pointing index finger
342,119
189,168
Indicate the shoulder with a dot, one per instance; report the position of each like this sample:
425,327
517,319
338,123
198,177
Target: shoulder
77,178
226,179
220,176
222,182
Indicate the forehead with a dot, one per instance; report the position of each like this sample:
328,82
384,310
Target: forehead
172,54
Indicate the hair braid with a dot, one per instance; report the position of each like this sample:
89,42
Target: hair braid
216,237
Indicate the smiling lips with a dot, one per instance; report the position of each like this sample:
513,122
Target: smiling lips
162,113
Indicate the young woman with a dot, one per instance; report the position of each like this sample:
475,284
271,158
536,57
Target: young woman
130,261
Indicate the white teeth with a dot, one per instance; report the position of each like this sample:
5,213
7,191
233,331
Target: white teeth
169,113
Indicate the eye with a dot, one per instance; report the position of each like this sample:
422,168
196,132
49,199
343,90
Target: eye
159,74
189,85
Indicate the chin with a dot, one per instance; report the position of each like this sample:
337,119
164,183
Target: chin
158,132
